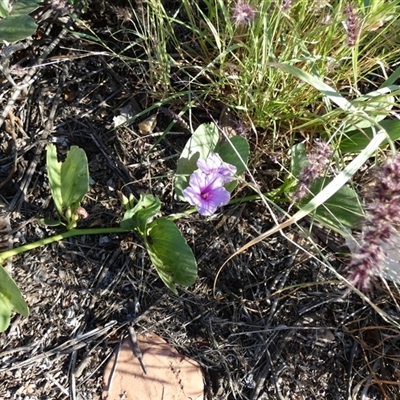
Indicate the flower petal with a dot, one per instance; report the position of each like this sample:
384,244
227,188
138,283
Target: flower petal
214,164
218,197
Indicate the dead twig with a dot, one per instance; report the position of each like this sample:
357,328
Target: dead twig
136,347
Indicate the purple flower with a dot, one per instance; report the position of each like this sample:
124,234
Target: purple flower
213,164
206,192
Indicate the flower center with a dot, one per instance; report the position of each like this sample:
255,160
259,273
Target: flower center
205,195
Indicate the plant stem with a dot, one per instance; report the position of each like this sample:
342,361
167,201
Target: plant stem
73,232
95,231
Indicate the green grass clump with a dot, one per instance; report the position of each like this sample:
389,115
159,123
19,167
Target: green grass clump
199,47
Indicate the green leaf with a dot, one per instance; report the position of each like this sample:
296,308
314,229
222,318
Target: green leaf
238,158
341,211
137,218
4,7
21,7
5,312
69,181
298,159
50,222
74,178
355,141
394,76
170,254
10,297
376,105
16,27
203,142
54,175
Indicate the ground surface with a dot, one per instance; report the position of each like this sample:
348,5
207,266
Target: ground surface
279,325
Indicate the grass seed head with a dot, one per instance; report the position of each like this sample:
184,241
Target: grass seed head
243,13
287,4
383,213
59,5
352,25
318,161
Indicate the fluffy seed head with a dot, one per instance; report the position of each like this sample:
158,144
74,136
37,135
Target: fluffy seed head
352,25
286,4
243,13
370,259
318,161
59,5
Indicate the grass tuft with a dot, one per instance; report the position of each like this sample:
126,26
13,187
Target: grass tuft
204,47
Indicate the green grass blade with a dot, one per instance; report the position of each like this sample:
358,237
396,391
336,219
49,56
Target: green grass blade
318,84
